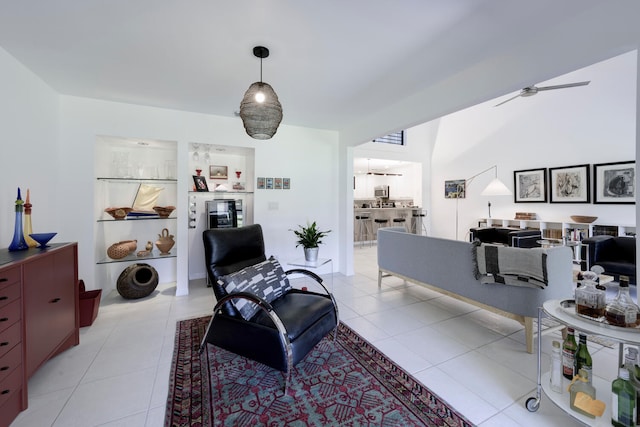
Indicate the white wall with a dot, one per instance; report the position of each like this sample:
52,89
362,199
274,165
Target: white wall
29,123
304,155
589,124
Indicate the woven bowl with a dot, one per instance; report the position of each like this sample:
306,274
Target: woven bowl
583,219
118,213
164,211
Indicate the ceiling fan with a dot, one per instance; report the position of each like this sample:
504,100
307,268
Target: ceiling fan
532,90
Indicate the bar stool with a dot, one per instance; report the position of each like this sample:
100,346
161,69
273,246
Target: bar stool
379,224
418,222
364,228
401,220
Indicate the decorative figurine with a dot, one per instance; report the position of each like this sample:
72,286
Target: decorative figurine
28,229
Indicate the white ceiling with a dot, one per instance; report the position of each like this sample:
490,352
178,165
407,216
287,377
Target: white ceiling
335,64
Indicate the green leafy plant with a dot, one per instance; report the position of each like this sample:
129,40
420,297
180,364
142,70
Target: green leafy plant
309,236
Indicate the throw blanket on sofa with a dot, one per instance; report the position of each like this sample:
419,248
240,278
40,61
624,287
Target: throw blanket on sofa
510,266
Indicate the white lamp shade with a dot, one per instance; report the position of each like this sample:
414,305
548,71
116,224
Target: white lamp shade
260,119
496,188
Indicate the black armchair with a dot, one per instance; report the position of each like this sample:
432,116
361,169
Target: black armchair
617,255
278,333
516,237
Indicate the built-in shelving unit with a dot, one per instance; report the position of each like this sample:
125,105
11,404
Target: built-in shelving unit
122,166
562,229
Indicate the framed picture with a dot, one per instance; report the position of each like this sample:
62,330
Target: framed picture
277,183
260,183
269,184
569,184
286,183
530,186
200,182
454,189
614,183
217,172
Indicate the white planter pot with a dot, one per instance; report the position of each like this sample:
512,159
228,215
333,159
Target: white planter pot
311,254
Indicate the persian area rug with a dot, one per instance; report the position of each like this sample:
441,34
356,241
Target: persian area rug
346,382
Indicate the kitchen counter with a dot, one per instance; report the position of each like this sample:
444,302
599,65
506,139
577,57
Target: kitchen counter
386,213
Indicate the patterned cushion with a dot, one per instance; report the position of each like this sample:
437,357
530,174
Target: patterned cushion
266,280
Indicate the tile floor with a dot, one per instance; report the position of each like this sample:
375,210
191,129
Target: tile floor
473,359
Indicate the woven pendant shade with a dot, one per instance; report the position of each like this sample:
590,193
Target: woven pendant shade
260,119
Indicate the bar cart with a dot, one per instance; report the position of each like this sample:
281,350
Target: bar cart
564,313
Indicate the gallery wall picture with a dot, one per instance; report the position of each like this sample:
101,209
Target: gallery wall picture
454,189
530,186
260,183
569,184
614,182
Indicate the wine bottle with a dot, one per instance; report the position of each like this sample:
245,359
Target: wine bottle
583,358
555,378
623,401
569,348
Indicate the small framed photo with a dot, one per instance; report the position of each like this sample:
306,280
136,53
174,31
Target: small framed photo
277,183
530,186
454,189
269,184
217,172
569,184
260,183
286,183
200,183
614,183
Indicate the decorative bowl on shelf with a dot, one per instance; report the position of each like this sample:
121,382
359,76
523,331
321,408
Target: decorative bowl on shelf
118,213
42,238
164,211
583,219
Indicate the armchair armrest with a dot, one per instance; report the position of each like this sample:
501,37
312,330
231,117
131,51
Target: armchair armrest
319,280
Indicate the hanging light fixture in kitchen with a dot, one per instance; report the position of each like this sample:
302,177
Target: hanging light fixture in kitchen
260,110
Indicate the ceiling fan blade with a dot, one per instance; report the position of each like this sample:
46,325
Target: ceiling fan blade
564,86
510,99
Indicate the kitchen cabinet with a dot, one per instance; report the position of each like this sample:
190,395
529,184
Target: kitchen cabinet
39,317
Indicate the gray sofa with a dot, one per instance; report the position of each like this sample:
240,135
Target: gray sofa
447,266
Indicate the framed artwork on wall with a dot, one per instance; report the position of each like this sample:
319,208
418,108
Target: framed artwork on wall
260,183
614,183
286,183
530,186
454,189
569,184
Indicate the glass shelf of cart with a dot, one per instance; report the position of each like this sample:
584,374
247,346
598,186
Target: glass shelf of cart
133,257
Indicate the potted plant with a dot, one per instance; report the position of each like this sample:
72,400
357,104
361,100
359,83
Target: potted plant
309,238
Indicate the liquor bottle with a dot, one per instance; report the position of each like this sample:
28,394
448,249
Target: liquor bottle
622,311
583,358
581,384
623,401
555,378
630,365
569,348
590,301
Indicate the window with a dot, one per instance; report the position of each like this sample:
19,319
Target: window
396,138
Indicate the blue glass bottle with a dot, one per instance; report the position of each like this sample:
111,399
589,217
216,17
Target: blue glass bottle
18,243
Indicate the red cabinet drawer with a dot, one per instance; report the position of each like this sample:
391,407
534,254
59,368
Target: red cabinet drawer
9,338
9,276
9,315
9,294
11,385
10,361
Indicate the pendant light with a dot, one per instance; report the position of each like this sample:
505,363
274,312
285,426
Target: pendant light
260,110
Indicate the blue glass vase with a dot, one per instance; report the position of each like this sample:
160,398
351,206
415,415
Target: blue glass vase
18,243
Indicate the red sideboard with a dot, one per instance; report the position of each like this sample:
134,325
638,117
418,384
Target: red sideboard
39,317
